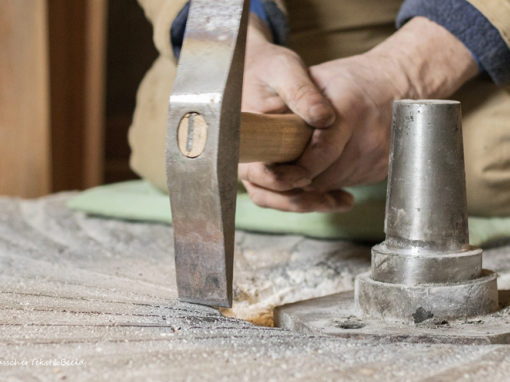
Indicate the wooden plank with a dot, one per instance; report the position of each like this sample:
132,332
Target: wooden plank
24,102
77,60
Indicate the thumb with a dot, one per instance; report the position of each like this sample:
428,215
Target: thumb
293,84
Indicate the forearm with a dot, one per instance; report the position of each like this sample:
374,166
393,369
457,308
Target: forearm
426,61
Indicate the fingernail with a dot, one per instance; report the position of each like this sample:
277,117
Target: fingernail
321,115
302,182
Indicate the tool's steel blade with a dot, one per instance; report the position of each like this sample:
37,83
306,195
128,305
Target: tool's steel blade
203,149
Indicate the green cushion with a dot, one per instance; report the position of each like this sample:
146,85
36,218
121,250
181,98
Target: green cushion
138,200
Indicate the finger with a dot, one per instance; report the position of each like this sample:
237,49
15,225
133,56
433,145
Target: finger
276,177
293,83
299,200
354,167
324,148
258,97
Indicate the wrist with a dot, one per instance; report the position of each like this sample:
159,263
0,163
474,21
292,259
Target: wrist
427,61
258,31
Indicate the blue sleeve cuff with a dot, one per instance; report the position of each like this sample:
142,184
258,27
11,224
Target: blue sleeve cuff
266,10
475,31
257,8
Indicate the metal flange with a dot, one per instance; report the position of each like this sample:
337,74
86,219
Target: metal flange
399,302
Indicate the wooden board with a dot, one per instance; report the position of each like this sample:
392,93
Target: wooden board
24,99
51,95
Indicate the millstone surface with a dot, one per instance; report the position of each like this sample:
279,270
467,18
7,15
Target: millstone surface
102,293
336,315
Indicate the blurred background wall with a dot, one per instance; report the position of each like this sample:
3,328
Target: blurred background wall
69,71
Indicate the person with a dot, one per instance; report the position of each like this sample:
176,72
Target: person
340,70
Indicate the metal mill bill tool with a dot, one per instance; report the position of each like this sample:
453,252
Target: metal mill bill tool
426,281
426,265
206,138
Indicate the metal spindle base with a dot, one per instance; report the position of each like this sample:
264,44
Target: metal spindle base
390,301
412,267
404,282
425,271
426,264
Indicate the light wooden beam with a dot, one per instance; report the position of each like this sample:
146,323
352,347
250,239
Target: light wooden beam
25,167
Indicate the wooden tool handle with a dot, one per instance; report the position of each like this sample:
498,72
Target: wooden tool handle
272,138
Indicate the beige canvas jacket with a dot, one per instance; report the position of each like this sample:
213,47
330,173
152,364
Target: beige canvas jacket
323,30
161,13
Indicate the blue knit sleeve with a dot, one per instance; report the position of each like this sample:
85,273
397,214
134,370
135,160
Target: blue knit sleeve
266,10
471,27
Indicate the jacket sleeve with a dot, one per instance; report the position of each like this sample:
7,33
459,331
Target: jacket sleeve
482,26
161,13
498,13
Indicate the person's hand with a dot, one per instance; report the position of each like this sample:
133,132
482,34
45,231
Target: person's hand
354,150
277,81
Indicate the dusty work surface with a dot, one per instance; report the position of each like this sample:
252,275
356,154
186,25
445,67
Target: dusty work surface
86,298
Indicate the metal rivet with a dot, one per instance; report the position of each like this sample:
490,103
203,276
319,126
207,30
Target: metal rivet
192,134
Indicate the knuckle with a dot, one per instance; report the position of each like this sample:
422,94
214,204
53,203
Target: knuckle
322,145
248,173
274,105
297,204
256,173
305,93
267,176
276,178
290,55
258,198
286,58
